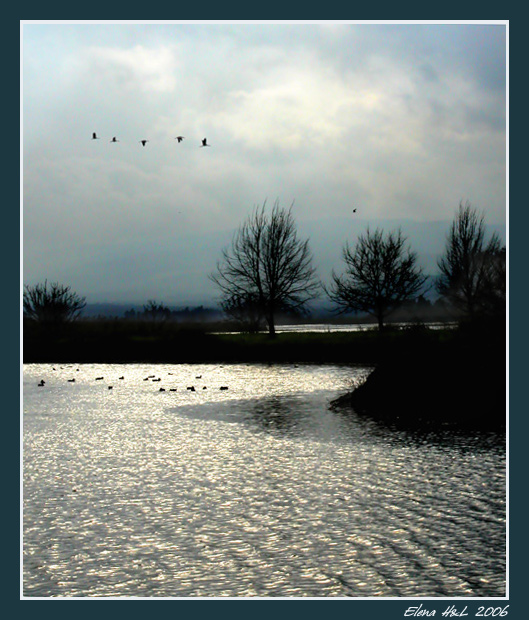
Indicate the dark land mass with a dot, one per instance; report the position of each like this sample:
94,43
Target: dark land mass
457,381
422,377
108,340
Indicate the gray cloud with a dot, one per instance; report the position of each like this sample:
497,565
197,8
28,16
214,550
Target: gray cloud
402,121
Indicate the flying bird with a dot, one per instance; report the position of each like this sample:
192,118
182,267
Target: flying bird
144,142
114,139
94,137
354,210
179,138
204,143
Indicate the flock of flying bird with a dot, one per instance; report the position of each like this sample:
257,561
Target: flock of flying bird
144,142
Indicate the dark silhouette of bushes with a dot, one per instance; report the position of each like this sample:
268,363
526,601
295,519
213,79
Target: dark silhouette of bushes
52,304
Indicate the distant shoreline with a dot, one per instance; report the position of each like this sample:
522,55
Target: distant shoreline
122,342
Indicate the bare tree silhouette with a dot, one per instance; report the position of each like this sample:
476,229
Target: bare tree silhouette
472,270
381,274
246,310
52,304
268,266
156,311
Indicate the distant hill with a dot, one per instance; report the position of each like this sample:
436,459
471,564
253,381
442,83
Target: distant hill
109,310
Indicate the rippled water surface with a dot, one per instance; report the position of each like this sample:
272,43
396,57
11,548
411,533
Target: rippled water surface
151,489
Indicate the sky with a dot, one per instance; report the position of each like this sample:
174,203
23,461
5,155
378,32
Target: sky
401,122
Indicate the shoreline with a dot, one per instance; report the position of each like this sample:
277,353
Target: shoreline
422,377
119,342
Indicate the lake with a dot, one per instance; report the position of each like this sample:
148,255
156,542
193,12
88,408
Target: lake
247,485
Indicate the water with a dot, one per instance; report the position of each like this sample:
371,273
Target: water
353,327
258,490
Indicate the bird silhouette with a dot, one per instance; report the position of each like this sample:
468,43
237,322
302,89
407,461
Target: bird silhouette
94,137
179,138
204,142
354,210
114,139
144,142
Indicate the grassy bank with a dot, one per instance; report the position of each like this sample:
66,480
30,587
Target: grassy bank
125,341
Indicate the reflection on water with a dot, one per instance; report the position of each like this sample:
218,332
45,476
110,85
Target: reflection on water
152,489
272,414
354,327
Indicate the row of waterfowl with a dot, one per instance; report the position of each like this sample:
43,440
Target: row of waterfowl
152,378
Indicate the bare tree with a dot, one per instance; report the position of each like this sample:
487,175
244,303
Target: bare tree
245,310
471,268
155,311
381,273
495,297
268,265
52,304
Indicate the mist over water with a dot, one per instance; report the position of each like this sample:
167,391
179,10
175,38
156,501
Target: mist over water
151,489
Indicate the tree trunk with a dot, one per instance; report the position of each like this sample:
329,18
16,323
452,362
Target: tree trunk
271,325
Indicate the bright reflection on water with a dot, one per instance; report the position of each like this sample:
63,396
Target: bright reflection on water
257,490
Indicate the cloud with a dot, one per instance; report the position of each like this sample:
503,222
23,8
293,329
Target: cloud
299,105
131,70
399,121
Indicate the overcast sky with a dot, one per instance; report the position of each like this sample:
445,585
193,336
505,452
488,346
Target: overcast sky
401,122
